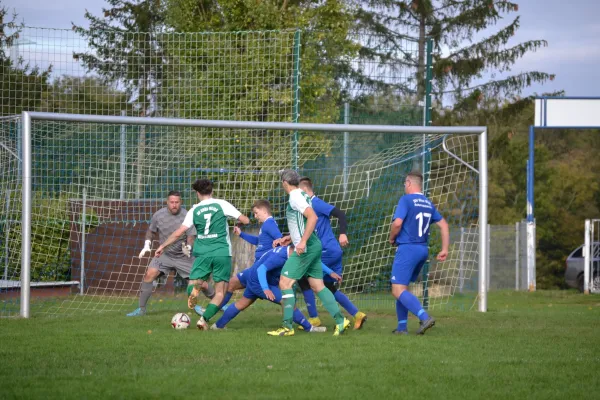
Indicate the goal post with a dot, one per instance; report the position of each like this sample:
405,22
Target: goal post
244,159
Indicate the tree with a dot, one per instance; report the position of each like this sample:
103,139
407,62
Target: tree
21,85
461,56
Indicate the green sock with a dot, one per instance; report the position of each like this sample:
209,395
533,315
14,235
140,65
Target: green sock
211,310
288,301
189,289
331,305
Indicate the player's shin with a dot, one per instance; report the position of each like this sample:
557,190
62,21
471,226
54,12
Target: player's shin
227,316
331,305
402,314
288,302
225,299
345,302
311,303
145,293
301,320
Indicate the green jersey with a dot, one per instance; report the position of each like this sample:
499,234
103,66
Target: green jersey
298,202
209,217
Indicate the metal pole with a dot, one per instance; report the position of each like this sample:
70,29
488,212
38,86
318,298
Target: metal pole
296,99
346,139
483,220
517,256
83,225
531,284
123,155
7,235
26,218
461,272
587,258
488,266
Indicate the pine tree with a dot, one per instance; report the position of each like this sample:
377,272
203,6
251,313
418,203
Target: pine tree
461,57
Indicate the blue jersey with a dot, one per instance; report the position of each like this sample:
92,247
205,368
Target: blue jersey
269,231
417,214
273,260
323,228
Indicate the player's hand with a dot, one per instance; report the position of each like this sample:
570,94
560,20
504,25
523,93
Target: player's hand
159,252
269,294
343,240
337,277
146,249
284,241
301,247
442,255
392,242
237,230
186,249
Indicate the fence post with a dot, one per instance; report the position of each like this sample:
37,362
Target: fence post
461,271
83,225
488,264
586,256
517,253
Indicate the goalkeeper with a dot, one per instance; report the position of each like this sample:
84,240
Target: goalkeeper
176,257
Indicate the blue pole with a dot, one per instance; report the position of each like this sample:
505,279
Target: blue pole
530,175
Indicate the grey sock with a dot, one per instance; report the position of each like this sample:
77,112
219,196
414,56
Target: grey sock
145,294
210,292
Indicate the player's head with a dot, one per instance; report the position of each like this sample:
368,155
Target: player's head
174,202
306,185
203,187
261,210
413,182
290,180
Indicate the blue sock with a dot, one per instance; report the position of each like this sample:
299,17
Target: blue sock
300,320
413,304
226,299
227,316
311,303
345,302
402,313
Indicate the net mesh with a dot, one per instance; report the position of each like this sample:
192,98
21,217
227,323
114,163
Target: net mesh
96,187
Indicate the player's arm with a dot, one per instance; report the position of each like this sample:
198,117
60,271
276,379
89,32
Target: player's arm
170,240
269,264
399,216
232,212
246,236
311,223
343,225
445,231
330,272
150,233
271,229
284,241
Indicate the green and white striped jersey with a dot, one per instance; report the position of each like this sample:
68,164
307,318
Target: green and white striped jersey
210,219
298,202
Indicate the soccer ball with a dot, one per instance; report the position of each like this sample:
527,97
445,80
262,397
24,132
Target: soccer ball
180,321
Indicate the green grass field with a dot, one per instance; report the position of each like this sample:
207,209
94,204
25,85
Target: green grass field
542,345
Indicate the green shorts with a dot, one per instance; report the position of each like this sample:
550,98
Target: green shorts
219,267
307,264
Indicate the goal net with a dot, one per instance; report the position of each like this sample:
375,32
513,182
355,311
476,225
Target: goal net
97,181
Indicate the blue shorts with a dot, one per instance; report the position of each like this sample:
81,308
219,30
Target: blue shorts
243,277
408,262
333,259
254,292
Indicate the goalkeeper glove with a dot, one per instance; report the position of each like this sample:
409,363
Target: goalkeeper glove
146,248
186,249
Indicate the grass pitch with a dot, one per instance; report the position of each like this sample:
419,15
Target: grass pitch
541,345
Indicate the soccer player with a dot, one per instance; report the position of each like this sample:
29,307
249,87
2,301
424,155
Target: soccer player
331,256
261,282
305,260
269,232
176,257
410,232
212,247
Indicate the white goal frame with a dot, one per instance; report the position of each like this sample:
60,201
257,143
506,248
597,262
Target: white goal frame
28,117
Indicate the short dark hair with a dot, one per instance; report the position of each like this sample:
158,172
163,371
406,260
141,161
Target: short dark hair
305,180
174,193
203,186
416,175
262,204
290,176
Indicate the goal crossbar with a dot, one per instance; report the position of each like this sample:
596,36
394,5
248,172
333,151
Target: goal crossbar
28,117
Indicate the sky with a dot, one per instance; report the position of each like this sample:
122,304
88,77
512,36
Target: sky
572,29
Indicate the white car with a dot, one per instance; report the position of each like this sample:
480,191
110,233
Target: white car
575,264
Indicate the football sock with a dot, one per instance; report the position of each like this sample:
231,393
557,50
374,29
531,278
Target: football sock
211,310
145,294
331,305
227,316
311,303
209,292
225,299
402,313
345,302
414,306
288,302
300,320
